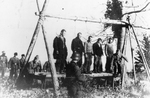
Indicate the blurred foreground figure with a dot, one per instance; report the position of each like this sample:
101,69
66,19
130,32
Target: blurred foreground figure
74,79
77,47
3,63
60,51
14,66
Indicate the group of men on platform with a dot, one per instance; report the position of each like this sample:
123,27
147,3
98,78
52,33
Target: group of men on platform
88,49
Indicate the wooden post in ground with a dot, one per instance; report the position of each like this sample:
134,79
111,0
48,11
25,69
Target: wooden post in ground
53,69
36,32
34,38
134,72
143,57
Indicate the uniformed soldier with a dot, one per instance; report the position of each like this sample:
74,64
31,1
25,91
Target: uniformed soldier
14,66
75,80
22,60
3,63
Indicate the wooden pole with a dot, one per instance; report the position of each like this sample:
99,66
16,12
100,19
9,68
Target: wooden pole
53,69
143,57
36,32
134,72
123,74
34,38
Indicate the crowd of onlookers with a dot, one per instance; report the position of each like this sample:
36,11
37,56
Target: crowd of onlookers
16,65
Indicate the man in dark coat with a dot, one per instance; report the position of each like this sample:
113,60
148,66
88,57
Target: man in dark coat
14,66
77,47
60,51
116,62
98,52
22,60
74,78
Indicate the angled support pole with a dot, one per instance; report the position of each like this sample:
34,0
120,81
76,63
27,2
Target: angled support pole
143,57
33,41
53,69
36,32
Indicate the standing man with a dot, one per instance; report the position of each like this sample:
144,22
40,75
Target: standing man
109,51
3,63
22,60
98,52
14,66
88,55
75,80
77,47
60,51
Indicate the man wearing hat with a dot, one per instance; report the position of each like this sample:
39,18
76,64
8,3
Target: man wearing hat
74,78
14,66
3,63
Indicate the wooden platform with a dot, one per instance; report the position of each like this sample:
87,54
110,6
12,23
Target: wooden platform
48,74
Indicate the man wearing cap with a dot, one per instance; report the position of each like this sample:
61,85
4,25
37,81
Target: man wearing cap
74,78
3,63
77,47
22,60
14,66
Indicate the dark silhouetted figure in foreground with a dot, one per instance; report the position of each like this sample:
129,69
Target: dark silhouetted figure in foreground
75,80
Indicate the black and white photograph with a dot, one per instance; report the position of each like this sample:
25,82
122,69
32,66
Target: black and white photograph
74,49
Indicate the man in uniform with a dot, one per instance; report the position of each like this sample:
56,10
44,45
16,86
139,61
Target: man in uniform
22,60
3,63
75,80
77,47
14,66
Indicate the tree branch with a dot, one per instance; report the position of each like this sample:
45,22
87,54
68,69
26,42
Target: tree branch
137,10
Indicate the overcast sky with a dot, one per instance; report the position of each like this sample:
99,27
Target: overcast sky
18,21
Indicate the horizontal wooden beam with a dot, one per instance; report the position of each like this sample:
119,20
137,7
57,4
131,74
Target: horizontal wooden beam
103,21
